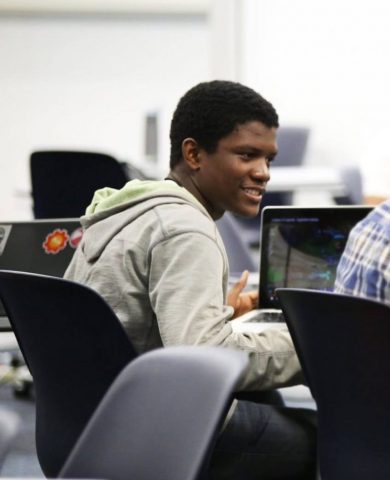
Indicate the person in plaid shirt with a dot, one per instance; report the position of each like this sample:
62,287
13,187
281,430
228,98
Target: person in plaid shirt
364,268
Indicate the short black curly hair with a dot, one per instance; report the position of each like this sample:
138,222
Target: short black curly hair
212,110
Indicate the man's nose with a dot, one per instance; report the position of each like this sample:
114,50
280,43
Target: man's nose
261,171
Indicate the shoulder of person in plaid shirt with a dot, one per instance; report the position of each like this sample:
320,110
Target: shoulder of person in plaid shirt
364,268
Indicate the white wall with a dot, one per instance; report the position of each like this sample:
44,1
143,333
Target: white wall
324,64
69,81
87,82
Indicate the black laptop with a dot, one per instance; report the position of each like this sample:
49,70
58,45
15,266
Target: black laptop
300,247
37,246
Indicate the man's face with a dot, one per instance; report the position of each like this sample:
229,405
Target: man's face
234,177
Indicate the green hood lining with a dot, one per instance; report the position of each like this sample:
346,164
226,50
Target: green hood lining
107,198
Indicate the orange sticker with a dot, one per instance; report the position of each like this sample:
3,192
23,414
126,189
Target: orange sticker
56,241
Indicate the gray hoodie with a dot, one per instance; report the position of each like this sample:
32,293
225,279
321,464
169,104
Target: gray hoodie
155,254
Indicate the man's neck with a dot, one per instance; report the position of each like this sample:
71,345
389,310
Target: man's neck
185,180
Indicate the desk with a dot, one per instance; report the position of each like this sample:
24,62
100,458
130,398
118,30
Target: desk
306,178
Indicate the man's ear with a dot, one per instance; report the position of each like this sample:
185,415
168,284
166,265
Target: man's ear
190,151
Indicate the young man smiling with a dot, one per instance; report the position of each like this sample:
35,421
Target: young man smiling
233,175
154,253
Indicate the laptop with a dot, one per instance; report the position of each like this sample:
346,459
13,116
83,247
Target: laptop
37,246
300,247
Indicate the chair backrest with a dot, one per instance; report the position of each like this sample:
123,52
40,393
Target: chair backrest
238,251
352,179
343,343
63,182
74,346
292,145
160,417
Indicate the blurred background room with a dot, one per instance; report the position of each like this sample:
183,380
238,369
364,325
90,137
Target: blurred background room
99,75
104,76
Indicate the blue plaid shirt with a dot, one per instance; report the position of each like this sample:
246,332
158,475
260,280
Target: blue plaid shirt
364,268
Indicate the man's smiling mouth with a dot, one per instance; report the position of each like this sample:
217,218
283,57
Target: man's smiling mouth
252,191
257,192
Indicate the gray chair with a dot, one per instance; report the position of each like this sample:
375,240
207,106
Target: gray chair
352,179
343,343
161,416
238,251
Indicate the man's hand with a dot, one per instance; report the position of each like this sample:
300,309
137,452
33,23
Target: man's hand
242,302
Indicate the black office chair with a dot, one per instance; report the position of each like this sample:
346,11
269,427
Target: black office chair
63,182
343,343
161,416
74,347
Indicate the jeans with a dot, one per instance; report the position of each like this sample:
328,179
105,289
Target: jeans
264,442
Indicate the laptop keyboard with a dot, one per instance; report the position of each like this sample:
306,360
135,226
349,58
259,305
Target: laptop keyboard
268,316
259,320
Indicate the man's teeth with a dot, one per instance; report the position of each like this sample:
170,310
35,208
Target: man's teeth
252,191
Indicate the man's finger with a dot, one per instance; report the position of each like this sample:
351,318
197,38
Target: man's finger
241,283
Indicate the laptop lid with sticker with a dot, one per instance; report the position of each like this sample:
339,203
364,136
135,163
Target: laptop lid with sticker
38,246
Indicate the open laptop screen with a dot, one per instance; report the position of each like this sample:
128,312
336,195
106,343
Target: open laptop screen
37,246
301,247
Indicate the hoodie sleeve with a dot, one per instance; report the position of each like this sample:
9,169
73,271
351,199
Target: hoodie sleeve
186,293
